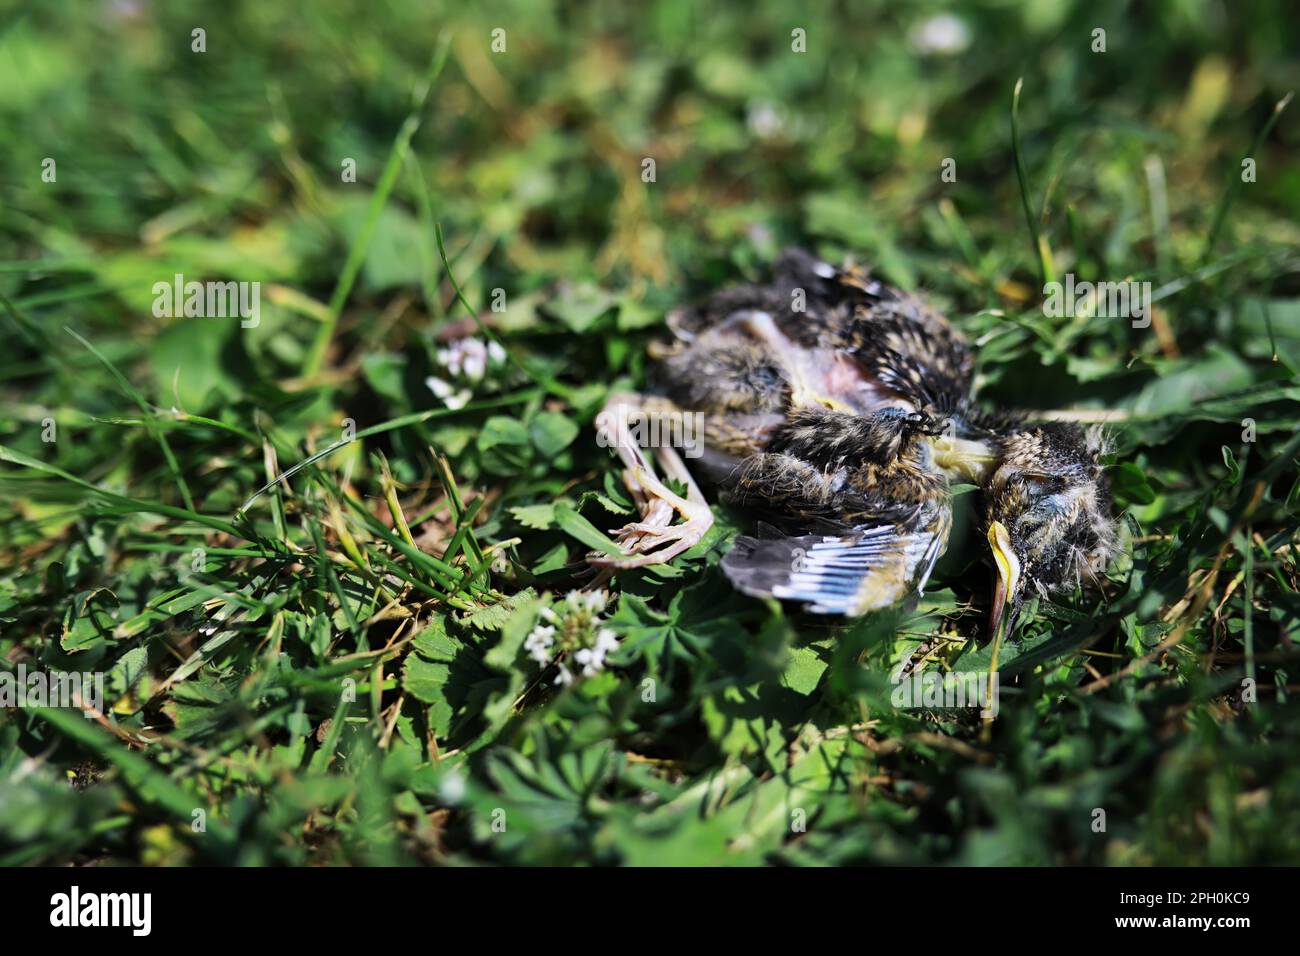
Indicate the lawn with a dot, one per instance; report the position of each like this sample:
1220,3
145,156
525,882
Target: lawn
308,544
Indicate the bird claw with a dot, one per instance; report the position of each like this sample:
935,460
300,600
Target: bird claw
656,543
642,528
653,538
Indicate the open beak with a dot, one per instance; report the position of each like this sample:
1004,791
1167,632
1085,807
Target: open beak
1002,620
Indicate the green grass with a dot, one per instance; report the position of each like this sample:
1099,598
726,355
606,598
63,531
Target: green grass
335,671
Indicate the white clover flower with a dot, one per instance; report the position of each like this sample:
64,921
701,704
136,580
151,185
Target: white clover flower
440,388
447,393
592,663
466,362
606,641
473,361
452,788
573,636
539,643
465,357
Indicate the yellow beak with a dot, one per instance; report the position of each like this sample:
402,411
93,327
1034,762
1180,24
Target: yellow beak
1004,593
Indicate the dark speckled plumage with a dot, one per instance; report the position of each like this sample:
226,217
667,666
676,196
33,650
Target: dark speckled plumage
838,409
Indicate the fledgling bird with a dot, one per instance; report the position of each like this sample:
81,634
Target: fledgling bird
838,410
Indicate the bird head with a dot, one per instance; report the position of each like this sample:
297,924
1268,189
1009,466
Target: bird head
1050,525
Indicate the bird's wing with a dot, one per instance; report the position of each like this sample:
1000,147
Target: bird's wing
914,352
899,342
866,569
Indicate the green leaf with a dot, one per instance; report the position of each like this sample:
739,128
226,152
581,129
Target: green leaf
501,430
434,641
196,357
575,525
448,675
522,615
804,671
505,444
1129,484
552,432
537,517
384,372
1186,382
128,669
89,620
424,679
554,559
493,616
579,305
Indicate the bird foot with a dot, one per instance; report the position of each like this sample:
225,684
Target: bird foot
654,539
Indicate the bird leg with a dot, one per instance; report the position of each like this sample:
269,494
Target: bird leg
654,539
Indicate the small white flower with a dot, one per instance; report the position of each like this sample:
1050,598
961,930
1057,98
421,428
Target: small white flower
765,121
459,400
943,34
466,363
539,643
475,366
445,391
606,641
588,644
452,788
592,662
473,359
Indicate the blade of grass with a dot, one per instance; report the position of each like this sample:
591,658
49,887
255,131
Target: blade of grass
538,378
1159,202
428,271
458,514
1040,249
389,487
443,573
414,418
130,505
463,535
31,330
149,784
1235,181
378,200
158,434
327,571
